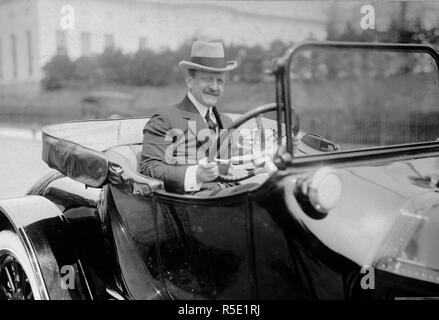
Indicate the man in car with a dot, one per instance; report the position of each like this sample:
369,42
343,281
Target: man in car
177,139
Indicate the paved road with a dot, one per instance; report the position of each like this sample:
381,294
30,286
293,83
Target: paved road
20,165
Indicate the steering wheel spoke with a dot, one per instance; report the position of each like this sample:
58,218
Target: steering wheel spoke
257,159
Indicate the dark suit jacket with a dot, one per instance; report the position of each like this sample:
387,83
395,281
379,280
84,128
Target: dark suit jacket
174,139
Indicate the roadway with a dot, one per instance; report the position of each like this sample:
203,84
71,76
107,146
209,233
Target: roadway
20,163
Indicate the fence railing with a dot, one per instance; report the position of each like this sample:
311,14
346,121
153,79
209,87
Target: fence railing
372,129
339,126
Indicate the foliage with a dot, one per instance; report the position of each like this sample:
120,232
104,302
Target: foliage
58,71
338,65
114,66
146,68
86,70
149,68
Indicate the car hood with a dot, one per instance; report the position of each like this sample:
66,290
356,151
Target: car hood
388,214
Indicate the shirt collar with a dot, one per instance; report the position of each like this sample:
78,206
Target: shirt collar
202,109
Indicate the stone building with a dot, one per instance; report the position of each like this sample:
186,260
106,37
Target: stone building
33,31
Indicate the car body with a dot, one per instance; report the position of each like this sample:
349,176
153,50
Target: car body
322,223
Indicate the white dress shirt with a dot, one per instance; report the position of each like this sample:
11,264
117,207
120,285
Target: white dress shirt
190,178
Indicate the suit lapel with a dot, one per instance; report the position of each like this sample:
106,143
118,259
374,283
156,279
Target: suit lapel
190,112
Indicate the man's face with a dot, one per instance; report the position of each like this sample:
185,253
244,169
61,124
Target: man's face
206,87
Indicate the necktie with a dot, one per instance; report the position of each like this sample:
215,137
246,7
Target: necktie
210,123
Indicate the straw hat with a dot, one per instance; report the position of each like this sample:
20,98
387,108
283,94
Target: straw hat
208,56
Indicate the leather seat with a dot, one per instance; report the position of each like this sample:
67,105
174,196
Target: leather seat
127,157
131,153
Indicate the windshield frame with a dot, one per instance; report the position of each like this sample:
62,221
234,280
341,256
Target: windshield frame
285,99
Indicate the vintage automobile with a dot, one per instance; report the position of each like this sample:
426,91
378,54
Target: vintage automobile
352,219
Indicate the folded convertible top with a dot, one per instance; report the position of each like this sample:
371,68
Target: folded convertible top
76,149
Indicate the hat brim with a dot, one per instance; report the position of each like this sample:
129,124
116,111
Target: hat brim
230,65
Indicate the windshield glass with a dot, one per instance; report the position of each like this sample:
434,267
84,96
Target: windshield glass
362,98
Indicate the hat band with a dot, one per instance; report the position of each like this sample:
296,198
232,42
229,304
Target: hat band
209,62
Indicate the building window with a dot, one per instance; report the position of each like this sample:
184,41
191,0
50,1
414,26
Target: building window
109,41
14,55
86,43
61,42
1,59
29,51
142,43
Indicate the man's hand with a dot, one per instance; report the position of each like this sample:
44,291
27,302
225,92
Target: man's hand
206,171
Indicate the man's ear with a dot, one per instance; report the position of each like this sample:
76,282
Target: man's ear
189,80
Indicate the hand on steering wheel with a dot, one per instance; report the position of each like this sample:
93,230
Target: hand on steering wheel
258,162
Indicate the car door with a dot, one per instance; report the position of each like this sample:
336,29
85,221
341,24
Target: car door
204,246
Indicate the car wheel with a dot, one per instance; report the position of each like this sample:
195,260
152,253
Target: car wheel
17,280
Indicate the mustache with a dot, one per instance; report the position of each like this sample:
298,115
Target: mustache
212,93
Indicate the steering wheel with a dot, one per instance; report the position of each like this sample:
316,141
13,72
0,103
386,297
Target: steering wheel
216,146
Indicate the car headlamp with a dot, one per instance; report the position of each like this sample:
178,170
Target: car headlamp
322,190
325,189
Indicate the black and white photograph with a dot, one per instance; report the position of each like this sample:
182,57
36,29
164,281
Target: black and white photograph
226,151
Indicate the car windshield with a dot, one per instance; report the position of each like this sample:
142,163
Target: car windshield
363,98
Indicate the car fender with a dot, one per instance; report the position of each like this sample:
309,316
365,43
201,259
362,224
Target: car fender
44,232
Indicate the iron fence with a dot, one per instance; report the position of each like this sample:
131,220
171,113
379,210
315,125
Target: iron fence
372,129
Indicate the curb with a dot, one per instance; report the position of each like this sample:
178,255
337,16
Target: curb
23,134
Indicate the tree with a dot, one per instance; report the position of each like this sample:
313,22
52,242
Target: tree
148,68
86,71
57,72
114,66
